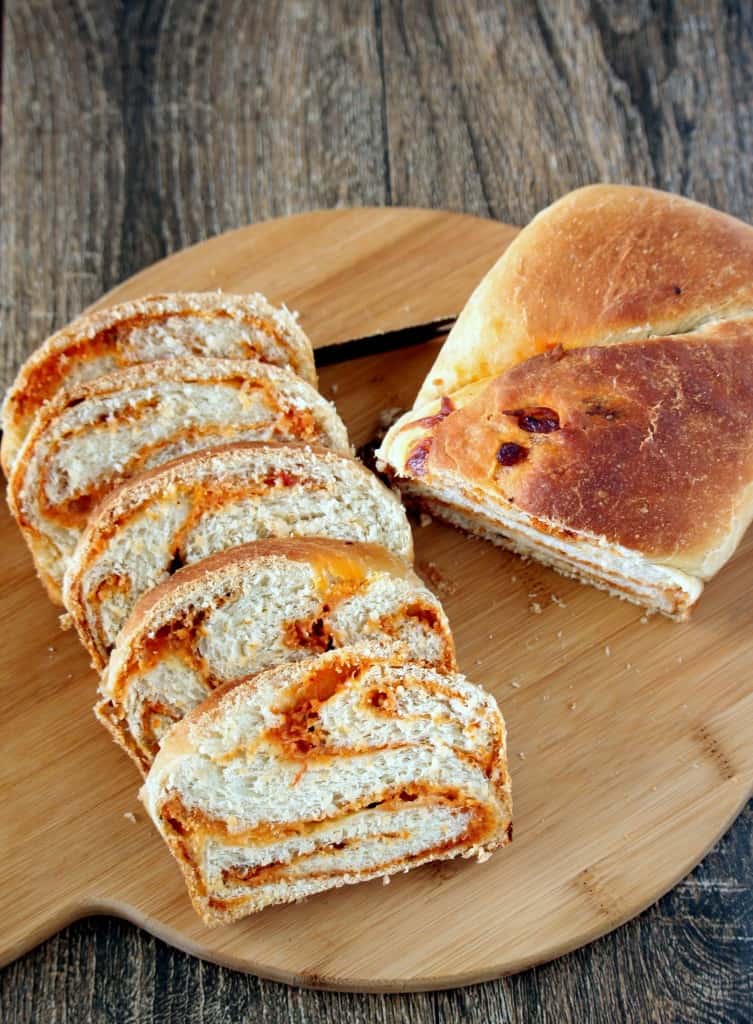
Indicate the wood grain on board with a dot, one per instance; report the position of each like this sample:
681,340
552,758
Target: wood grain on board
350,274
629,736
132,130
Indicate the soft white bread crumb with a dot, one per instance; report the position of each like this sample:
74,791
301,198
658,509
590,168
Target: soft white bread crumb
326,772
237,613
94,435
211,501
156,327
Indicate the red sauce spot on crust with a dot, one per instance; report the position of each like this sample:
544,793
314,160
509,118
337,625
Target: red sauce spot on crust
445,408
510,454
538,419
416,462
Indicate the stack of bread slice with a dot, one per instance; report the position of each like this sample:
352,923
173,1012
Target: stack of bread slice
268,658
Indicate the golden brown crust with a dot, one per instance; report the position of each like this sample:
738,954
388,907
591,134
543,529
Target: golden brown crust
599,386
645,445
604,263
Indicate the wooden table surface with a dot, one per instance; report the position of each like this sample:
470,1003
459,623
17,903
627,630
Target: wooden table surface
133,129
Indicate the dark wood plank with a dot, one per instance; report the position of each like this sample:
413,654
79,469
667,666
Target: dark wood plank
132,129
512,105
686,960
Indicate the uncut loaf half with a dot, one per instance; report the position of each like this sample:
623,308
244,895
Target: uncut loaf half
326,772
593,405
156,327
95,434
247,609
212,500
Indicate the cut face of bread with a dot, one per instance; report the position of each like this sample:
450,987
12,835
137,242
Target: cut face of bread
326,772
211,501
616,456
157,327
236,613
94,435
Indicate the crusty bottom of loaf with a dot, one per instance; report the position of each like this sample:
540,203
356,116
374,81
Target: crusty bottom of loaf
672,593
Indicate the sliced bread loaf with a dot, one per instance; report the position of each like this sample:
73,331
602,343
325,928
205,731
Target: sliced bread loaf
156,327
206,502
95,434
247,609
326,772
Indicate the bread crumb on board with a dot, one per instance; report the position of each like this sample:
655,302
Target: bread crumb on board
434,575
130,816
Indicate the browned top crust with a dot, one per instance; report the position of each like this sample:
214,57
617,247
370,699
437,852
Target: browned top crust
600,380
605,263
649,446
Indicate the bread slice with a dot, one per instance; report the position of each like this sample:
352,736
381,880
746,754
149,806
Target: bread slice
210,501
327,772
591,407
238,612
156,327
94,435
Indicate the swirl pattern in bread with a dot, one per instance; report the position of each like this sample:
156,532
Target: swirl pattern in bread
247,609
96,434
207,502
326,772
156,327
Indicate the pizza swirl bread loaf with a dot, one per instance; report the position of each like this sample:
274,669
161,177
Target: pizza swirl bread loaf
156,327
95,434
326,772
212,500
592,405
247,609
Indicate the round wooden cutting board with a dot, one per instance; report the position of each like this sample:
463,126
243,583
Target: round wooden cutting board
630,737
